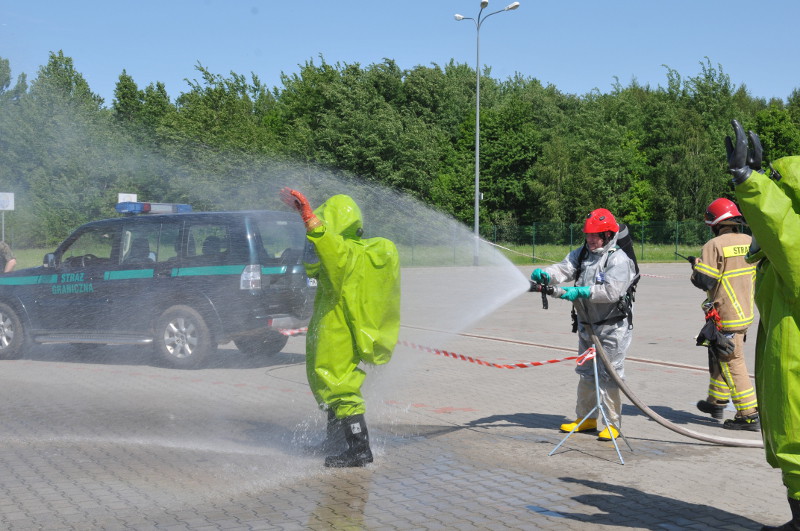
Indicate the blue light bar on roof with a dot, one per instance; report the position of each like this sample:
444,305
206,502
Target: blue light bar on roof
131,207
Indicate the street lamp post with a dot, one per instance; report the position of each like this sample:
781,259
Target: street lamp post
478,22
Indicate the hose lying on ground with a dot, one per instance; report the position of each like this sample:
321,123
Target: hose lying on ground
725,441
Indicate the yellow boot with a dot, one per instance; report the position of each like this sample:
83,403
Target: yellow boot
606,434
586,425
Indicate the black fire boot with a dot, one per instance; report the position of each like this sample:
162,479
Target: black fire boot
749,423
714,409
791,525
358,452
334,437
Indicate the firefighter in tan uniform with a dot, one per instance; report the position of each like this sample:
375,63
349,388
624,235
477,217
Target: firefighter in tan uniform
725,275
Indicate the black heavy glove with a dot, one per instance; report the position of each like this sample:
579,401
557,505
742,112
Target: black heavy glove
723,347
741,160
717,343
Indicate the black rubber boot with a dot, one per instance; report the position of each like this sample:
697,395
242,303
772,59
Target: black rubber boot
358,452
791,525
334,437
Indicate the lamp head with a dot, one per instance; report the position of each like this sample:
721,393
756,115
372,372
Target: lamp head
512,7
459,17
484,3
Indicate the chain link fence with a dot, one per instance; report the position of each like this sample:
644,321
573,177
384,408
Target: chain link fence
653,240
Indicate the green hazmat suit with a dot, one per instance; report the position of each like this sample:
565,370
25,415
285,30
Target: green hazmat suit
357,307
772,210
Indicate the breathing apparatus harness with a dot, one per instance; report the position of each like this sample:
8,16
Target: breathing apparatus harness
625,302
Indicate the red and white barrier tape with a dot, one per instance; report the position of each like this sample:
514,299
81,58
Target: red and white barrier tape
589,354
293,331
522,365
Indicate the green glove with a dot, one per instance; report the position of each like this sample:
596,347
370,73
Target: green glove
577,292
540,276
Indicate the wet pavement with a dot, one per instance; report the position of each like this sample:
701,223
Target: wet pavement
106,439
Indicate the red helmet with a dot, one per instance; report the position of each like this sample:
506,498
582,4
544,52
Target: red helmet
720,210
600,220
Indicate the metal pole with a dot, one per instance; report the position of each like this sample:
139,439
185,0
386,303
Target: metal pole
642,258
677,231
477,221
478,21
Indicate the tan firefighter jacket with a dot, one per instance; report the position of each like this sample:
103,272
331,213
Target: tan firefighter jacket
729,280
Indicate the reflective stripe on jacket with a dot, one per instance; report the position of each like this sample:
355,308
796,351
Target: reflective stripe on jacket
725,274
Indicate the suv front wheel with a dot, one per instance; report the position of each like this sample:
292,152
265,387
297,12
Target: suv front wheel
12,335
182,338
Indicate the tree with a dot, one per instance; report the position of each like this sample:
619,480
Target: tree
127,104
779,135
793,106
58,83
645,153
20,87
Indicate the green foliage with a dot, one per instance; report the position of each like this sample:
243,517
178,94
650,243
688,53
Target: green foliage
644,152
778,133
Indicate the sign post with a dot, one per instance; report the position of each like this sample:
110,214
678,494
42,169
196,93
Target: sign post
6,203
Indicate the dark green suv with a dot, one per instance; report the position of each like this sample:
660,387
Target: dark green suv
183,282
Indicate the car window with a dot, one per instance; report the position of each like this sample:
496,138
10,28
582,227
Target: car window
139,243
94,244
169,242
209,243
279,237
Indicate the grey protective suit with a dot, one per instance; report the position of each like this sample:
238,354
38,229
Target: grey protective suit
609,272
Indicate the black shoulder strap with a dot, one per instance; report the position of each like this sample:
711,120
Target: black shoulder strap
625,303
581,257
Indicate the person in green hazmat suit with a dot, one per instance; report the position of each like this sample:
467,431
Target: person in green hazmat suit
771,207
356,316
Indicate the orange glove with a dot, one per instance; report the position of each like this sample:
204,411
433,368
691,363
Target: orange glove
298,201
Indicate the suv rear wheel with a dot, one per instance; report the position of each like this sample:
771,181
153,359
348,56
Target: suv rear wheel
12,335
182,338
263,343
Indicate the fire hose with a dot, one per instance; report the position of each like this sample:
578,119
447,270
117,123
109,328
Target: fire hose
725,441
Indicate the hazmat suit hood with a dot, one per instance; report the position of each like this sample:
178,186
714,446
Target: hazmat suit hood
341,215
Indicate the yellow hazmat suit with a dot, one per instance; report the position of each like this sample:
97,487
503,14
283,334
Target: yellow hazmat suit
357,308
772,209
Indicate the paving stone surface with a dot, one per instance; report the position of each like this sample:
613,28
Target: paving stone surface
106,439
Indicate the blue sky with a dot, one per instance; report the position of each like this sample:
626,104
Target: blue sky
577,46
